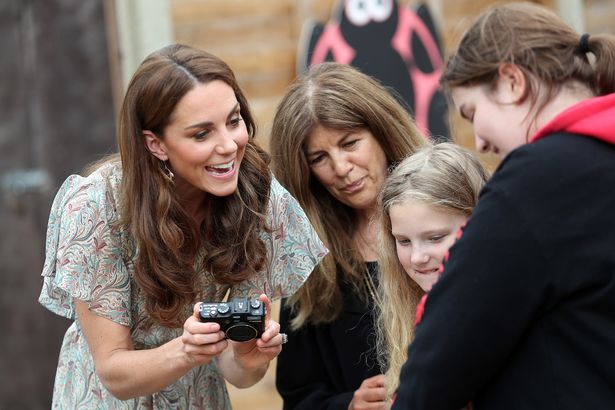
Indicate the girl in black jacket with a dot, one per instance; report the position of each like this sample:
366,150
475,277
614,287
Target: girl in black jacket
522,316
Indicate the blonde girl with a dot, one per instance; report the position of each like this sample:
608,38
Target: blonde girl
423,204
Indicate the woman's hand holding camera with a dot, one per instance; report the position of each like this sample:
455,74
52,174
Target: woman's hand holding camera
202,341
257,353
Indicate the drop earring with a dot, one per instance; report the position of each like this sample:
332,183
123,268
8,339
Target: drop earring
168,174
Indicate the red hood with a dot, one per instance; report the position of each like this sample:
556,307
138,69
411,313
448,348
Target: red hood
594,117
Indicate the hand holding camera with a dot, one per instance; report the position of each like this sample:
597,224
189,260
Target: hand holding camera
243,323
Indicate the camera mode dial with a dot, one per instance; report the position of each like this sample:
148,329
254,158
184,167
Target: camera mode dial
255,303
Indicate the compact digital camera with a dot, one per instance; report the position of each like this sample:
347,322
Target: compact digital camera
240,319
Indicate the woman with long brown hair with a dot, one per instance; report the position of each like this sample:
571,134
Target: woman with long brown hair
335,134
187,212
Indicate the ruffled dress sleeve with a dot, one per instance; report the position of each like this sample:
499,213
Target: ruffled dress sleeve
83,257
293,245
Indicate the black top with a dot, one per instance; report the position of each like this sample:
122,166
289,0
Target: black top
321,366
523,316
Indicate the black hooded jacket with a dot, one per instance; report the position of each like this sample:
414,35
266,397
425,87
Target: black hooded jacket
523,316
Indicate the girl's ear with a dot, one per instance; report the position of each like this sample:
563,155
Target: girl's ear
154,145
513,82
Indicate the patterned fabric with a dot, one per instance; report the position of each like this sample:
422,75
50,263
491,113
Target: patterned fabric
89,259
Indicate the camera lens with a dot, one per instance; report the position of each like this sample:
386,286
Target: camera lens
241,332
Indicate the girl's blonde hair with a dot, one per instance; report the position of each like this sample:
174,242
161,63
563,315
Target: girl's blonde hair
445,176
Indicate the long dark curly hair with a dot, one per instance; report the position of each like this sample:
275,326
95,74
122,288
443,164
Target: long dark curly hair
168,242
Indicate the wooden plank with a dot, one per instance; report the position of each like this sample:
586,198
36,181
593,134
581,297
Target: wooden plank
269,85
243,30
257,59
187,11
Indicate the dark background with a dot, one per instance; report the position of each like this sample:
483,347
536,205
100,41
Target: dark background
56,116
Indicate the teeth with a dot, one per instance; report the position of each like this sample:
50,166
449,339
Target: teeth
223,167
426,272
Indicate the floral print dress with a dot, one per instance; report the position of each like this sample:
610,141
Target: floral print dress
89,260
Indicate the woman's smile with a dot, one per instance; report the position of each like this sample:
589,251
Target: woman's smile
222,170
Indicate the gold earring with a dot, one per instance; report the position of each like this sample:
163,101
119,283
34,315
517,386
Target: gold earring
168,174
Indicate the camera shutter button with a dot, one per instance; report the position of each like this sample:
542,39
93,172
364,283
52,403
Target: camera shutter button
255,304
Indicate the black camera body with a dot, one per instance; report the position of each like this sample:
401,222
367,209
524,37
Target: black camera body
241,319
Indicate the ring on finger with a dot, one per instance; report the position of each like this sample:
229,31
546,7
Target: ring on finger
284,337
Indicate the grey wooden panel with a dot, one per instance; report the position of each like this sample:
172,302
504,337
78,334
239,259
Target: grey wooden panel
56,115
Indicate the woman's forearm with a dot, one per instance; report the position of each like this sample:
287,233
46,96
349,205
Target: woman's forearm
129,373
236,374
133,373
